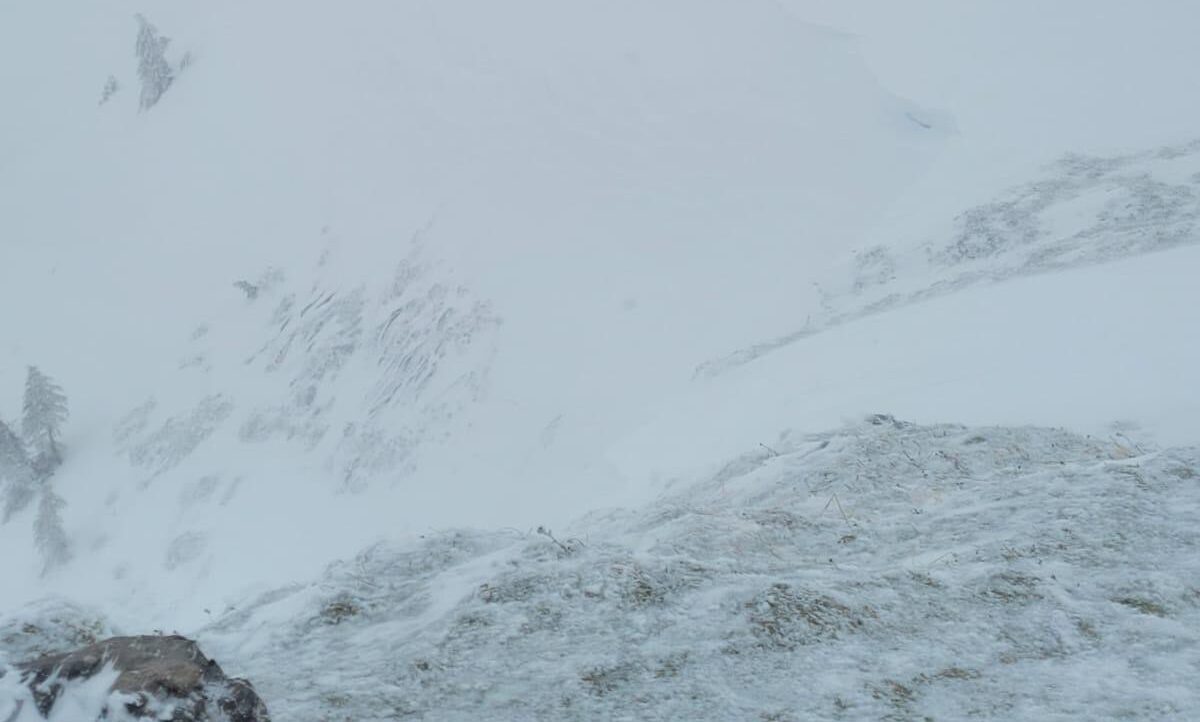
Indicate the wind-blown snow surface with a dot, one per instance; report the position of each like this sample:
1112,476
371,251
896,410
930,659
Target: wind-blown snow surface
498,264
882,571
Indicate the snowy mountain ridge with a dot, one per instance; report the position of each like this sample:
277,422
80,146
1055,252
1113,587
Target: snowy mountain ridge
1084,211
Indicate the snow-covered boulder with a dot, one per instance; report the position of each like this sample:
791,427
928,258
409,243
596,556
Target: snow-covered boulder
147,677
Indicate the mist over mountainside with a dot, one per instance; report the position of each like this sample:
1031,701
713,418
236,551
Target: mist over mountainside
316,279
446,255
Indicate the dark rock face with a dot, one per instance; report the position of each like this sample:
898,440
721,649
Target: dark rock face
155,674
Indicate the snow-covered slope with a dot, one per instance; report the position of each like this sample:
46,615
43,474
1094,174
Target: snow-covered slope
374,269
884,570
480,240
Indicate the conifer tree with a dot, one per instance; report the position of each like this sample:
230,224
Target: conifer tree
45,413
154,71
48,533
16,473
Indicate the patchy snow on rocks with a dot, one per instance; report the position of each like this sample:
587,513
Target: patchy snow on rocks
882,571
1082,210
49,626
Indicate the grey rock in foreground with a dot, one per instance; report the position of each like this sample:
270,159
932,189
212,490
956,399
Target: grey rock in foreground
156,676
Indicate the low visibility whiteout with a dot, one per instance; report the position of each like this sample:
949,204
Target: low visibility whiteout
369,272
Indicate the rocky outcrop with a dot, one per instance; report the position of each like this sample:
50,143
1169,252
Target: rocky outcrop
157,677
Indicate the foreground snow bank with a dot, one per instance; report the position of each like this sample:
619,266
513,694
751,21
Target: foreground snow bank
51,625
886,570
78,701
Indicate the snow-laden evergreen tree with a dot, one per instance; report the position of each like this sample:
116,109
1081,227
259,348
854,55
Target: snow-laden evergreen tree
154,71
16,473
48,533
45,413
111,86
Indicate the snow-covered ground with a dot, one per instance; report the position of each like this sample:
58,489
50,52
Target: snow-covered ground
881,571
885,570
369,271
